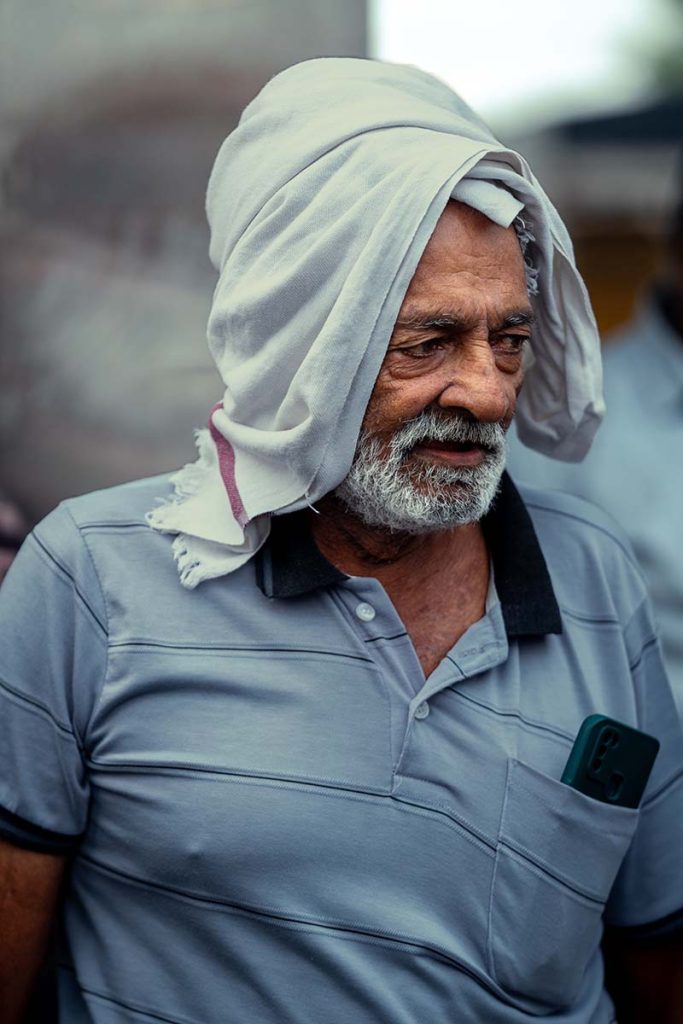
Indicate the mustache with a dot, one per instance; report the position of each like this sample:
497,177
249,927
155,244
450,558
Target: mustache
447,428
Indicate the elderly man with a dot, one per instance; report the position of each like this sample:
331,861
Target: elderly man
318,778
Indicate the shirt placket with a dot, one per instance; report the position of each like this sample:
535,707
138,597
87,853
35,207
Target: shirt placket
371,615
377,624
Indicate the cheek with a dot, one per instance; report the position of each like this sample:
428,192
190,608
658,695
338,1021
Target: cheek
393,402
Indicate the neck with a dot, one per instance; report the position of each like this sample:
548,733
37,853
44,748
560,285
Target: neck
361,550
437,581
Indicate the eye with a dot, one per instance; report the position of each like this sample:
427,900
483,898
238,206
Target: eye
510,344
423,348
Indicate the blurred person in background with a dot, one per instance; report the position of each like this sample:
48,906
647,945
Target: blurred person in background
634,467
286,730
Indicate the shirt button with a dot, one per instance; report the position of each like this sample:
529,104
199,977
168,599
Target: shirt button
422,710
365,612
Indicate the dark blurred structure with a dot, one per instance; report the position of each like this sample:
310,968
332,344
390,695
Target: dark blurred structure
615,179
13,528
110,118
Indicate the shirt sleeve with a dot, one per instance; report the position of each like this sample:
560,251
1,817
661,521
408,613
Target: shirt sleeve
647,898
53,645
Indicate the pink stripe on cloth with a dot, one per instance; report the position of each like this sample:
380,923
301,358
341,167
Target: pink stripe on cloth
226,466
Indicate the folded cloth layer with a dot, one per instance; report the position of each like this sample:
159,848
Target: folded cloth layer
321,203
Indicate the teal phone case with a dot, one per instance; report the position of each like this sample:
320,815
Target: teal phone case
610,761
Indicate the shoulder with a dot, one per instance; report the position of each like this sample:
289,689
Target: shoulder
565,518
590,559
72,525
125,504
571,519
80,539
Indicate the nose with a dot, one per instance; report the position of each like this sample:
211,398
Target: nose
474,385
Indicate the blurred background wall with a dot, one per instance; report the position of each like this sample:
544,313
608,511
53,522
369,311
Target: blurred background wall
111,113
616,178
110,116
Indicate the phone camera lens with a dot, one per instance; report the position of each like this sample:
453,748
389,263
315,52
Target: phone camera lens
614,786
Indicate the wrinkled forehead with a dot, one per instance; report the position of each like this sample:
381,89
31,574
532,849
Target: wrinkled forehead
468,253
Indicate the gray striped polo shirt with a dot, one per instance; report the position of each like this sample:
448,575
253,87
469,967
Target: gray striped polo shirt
273,816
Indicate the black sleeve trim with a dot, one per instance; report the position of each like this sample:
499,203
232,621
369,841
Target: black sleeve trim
651,932
24,833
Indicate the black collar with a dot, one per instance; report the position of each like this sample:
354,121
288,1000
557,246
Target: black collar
290,564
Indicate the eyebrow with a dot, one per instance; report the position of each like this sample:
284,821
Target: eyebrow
453,321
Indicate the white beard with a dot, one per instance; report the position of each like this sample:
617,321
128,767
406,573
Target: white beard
397,493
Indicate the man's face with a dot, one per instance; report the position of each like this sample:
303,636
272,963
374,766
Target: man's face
432,448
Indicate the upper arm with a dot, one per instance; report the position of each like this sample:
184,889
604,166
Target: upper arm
53,647
29,887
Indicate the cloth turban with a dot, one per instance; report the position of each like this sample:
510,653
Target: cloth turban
321,203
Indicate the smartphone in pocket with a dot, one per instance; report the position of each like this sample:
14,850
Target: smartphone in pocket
610,761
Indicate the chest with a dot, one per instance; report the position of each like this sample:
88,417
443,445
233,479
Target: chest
439,611
435,632
296,783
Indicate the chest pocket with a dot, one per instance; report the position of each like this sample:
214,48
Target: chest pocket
557,856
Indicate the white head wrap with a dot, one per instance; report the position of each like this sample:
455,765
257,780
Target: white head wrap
321,203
